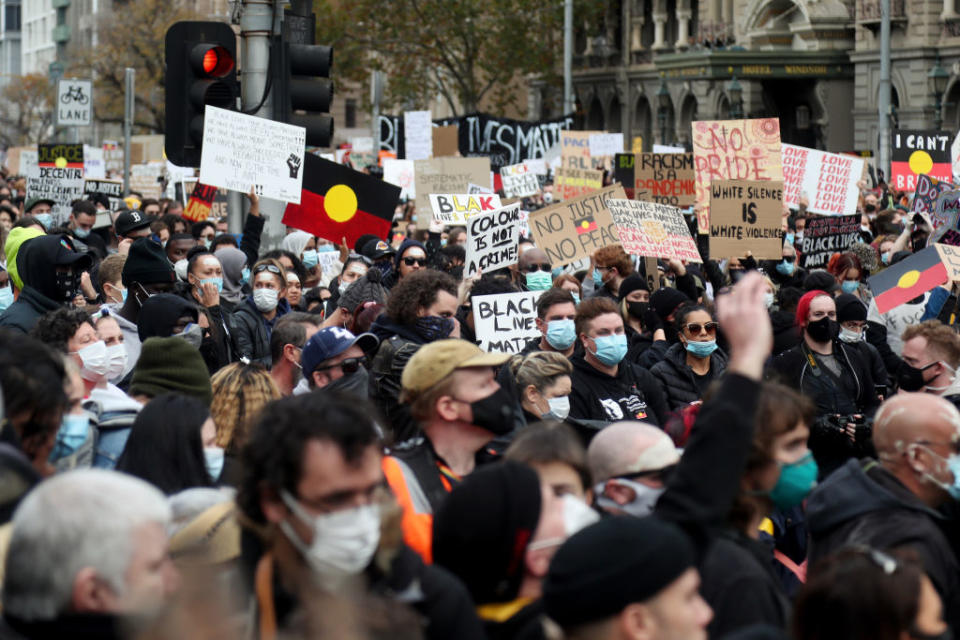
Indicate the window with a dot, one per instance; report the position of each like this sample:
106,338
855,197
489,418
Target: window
11,17
351,113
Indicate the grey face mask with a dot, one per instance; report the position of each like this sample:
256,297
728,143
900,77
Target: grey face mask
645,498
354,385
193,334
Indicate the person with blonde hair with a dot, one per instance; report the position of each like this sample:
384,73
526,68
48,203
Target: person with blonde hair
543,380
240,392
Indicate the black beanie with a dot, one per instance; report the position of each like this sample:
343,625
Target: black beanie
147,264
665,301
849,308
632,283
481,531
611,564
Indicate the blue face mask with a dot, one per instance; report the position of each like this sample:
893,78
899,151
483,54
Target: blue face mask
556,272
611,349
6,297
216,281
597,278
71,436
885,258
326,248
245,275
576,297
213,457
310,258
561,334
789,237
849,286
45,219
701,349
81,233
539,281
786,268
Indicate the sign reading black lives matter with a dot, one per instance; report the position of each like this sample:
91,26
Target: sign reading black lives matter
506,321
826,236
492,240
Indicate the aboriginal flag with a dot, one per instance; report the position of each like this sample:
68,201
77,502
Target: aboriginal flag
586,225
908,279
338,202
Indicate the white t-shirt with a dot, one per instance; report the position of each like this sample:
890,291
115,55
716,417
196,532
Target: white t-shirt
896,320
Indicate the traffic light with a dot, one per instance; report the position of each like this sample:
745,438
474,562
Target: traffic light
201,70
303,90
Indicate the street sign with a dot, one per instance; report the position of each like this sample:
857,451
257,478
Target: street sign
74,103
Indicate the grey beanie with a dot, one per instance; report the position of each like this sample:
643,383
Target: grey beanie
365,289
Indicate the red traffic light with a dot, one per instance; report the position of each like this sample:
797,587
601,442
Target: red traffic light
213,61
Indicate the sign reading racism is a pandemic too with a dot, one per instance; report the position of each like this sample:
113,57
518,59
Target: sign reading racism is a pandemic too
824,237
745,216
574,229
665,178
492,240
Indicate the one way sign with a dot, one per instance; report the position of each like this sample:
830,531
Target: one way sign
74,103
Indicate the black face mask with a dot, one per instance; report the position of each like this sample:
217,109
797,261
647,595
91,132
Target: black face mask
68,284
494,413
456,272
736,275
638,309
354,384
911,378
823,330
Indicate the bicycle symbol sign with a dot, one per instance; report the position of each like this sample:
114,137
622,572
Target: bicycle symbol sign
74,102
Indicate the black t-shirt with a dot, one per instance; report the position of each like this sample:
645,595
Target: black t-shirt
703,381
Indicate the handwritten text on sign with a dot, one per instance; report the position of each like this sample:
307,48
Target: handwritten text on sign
745,216
946,214
666,178
925,197
63,186
519,181
574,229
572,183
733,150
504,322
827,180
653,230
448,175
241,151
492,240
451,208
824,237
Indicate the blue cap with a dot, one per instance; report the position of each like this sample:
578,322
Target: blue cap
329,343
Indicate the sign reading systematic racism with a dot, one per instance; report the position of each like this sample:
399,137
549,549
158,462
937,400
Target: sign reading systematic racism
909,278
519,181
57,176
571,183
492,240
241,151
827,180
200,203
448,175
653,230
457,209
418,135
824,237
506,321
914,153
666,178
574,229
113,189
745,215
733,150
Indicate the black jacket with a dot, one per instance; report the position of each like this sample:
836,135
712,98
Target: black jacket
251,332
633,394
863,503
250,240
398,343
79,626
27,309
677,379
785,332
870,355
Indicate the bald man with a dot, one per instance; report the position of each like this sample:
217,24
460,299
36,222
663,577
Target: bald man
628,462
892,502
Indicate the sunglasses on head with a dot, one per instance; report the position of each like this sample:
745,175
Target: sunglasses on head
349,366
412,261
696,327
543,266
267,267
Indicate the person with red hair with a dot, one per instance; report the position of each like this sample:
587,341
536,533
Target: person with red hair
849,274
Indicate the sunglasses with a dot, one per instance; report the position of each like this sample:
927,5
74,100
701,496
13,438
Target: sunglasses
789,258
267,267
349,366
543,266
412,261
663,474
696,327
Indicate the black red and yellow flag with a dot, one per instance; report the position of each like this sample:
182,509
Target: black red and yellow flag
908,279
60,156
200,203
338,202
586,224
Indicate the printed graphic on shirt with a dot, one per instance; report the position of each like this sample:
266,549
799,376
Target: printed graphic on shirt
632,406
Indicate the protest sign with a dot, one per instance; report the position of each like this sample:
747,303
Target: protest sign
474,189
925,197
57,176
827,180
241,151
665,178
361,144
329,262
145,179
574,229
113,189
536,165
94,165
745,215
950,257
492,240
913,153
113,155
624,167
400,173
572,183
504,322
519,181
946,213
955,157
20,158
824,237
575,150
60,155
733,150
448,175
667,148
417,135
200,203
604,145
457,209
653,230
505,141
445,141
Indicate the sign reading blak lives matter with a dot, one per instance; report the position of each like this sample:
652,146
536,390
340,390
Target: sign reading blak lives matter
827,180
492,240
241,151
506,321
745,215
574,229
653,230
519,181
824,237
450,208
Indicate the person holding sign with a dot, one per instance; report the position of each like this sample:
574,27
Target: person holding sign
695,361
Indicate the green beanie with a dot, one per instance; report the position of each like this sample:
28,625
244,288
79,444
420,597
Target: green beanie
171,365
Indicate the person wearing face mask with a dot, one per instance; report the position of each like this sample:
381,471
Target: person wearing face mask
543,380
286,347
253,321
41,209
356,267
689,366
556,453
236,276
610,266
635,309
848,272
335,360
354,295
317,523
852,319
6,290
556,311
604,387
533,271
381,255
304,246
931,356
785,272
83,216
892,502
660,321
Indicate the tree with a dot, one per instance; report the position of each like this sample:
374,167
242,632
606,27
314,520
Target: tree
466,51
27,113
131,36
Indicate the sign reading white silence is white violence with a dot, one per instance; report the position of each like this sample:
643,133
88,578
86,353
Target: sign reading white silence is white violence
505,321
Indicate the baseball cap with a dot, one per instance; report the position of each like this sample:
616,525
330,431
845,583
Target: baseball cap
128,221
435,361
376,249
331,342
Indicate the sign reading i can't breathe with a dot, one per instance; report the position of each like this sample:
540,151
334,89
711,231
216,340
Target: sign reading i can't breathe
917,152
745,215
505,321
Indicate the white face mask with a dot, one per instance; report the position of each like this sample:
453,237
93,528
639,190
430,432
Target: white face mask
850,337
577,515
343,541
768,299
343,287
559,407
94,359
117,355
265,299
644,500
180,267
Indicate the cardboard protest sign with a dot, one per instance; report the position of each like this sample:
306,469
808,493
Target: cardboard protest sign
241,151
946,214
745,215
665,178
113,189
200,203
575,150
926,194
604,145
824,237
457,209
827,180
733,150
913,153
624,167
909,278
57,176
492,240
519,181
574,229
448,175
445,141
653,230
418,135
572,183
506,321
146,179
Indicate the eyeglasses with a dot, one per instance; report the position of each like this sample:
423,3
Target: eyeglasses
272,268
412,261
695,328
349,366
543,266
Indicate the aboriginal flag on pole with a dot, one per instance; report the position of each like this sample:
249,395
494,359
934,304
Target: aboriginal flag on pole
338,202
908,279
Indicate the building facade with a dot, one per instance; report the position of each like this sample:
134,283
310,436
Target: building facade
10,19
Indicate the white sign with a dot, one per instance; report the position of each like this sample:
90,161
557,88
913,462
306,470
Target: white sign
492,240
417,135
146,179
666,148
506,321
241,151
29,158
327,260
400,173
537,166
451,208
519,181
827,180
955,157
362,144
74,103
605,144
94,164
63,186
476,188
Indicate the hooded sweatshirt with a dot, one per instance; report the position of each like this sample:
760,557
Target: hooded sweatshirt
632,394
233,261
15,240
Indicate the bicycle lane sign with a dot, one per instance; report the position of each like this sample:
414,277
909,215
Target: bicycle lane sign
74,103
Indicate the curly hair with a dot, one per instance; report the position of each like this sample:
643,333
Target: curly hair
55,328
416,291
240,392
612,256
